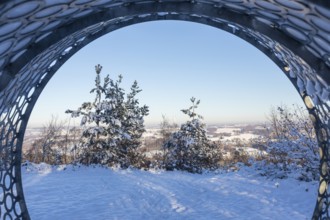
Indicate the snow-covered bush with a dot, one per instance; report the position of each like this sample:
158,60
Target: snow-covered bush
292,146
188,148
112,124
45,148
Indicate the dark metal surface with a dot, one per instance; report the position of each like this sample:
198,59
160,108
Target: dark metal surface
37,37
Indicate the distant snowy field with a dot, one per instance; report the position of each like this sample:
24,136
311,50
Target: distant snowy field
99,193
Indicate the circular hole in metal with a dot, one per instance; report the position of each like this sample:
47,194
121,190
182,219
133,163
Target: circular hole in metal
82,2
7,217
5,45
2,61
32,27
291,4
66,51
8,202
268,6
49,11
20,101
22,9
323,187
295,33
7,28
22,43
13,190
299,22
43,76
268,15
7,181
2,194
308,102
323,11
51,25
83,13
67,12
322,135
52,63
24,108
12,111
322,43
235,7
319,23
313,118
321,152
31,92
100,2
17,209
17,55
42,37
324,169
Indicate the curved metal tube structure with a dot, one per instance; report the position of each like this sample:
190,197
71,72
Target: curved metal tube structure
38,36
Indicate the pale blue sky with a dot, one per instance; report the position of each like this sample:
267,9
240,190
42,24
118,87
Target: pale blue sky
173,61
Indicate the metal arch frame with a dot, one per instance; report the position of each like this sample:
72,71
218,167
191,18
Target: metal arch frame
249,29
185,7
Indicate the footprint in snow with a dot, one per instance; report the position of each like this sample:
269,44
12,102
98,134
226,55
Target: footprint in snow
178,208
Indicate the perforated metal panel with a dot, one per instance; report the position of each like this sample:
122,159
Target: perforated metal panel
38,36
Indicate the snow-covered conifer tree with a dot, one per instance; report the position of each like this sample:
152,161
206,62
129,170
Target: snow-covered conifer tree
189,148
113,125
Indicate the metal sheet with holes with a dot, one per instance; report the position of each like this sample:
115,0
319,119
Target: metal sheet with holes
38,36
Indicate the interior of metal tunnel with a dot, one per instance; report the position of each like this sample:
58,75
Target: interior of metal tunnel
37,37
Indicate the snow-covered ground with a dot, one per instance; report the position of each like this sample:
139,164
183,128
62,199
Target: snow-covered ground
152,132
100,193
152,153
234,134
